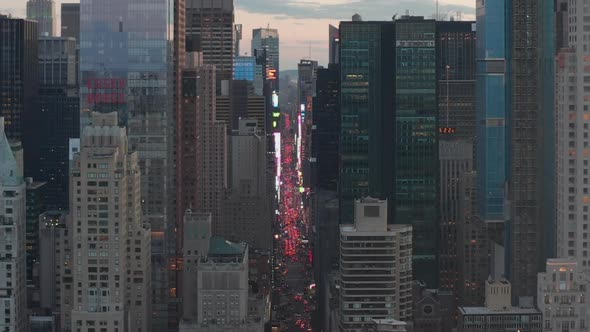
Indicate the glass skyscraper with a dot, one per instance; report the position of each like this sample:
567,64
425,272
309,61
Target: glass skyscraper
416,145
244,67
492,109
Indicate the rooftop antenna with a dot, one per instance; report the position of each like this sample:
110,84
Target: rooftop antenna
310,50
437,10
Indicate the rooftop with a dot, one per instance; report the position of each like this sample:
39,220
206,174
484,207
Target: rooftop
218,246
487,311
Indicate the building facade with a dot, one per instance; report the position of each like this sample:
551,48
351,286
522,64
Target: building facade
70,20
45,13
60,116
562,296
13,262
111,244
19,83
210,30
244,68
265,41
375,266
498,315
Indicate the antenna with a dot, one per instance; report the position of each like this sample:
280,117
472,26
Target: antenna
310,50
437,10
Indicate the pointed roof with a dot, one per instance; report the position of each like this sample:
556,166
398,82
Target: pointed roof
9,174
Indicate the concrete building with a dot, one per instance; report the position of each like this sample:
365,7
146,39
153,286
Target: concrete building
13,310
375,266
215,282
45,13
246,214
110,244
202,179
36,204
498,315
210,29
563,292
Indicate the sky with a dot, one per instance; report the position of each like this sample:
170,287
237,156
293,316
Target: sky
303,24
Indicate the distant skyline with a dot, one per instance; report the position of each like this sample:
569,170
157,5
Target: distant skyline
304,23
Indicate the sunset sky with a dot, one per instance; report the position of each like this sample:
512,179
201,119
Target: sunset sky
304,23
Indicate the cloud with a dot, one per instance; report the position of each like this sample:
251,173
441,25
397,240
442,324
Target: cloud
368,9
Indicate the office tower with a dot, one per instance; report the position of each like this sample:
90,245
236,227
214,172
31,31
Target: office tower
244,68
18,74
265,42
203,145
53,230
366,113
326,130
246,212
562,296
493,108
70,20
334,40
36,204
455,158
416,161
210,30
306,85
60,116
45,13
306,88
111,242
531,189
498,314
456,79
370,249
13,317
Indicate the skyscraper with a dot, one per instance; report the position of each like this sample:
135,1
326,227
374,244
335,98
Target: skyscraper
367,114
416,146
266,40
210,30
60,116
70,20
111,242
456,124
45,13
12,230
18,80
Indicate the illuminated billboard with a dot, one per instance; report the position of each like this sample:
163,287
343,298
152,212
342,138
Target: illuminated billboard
106,91
271,74
275,99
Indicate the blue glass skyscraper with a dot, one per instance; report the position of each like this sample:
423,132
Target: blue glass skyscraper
492,108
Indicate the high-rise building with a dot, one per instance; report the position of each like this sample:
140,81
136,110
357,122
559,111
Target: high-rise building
246,211
306,85
60,116
516,46
456,158
493,107
45,13
237,39
13,317
367,114
416,161
19,83
70,20
326,127
203,145
266,41
375,267
210,30
306,88
334,40
532,142
110,241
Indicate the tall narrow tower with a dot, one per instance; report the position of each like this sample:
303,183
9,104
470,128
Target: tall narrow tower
45,13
